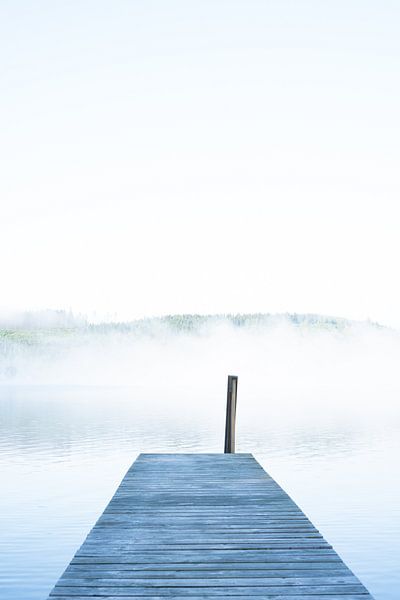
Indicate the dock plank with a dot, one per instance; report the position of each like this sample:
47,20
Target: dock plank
203,526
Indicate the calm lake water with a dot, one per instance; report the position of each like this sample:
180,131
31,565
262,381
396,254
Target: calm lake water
65,449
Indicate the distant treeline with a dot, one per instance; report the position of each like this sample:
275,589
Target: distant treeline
34,327
196,322
39,338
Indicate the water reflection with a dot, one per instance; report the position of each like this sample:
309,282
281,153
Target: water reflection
64,450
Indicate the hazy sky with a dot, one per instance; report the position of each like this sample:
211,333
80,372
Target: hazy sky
209,156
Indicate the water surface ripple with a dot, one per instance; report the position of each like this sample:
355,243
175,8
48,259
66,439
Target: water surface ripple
63,451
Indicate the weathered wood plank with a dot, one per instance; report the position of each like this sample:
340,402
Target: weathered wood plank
211,595
205,526
176,592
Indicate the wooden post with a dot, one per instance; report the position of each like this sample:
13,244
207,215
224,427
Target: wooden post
231,415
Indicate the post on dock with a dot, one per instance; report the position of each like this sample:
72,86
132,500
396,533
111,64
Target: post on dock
231,415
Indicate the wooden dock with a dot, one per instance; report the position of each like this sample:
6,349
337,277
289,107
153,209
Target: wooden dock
202,526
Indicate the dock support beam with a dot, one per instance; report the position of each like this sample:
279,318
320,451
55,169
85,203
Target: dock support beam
231,415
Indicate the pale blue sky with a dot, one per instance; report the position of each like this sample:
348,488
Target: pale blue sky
204,156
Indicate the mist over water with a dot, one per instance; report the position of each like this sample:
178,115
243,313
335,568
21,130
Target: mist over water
318,405
327,367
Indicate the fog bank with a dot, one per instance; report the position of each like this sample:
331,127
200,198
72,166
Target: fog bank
296,363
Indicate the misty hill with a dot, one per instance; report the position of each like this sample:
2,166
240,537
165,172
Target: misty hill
51,345
39,325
